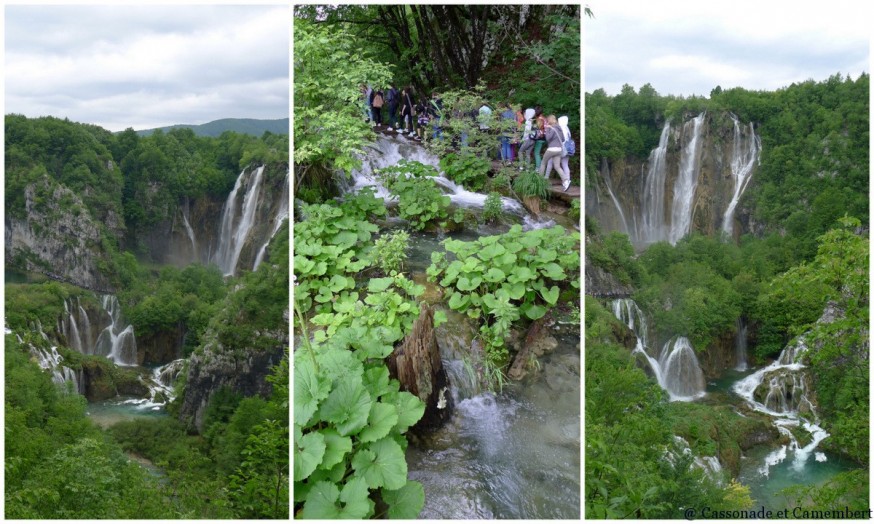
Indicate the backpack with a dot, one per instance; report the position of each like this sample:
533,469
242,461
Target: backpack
377,101
570,146
392,96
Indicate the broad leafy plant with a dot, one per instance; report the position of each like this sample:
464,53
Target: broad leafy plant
419,199
390,251
503,278
331,245
349,416
466,169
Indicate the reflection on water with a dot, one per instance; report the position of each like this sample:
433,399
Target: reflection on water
119,409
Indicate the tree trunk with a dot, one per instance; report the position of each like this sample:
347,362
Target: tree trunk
416,364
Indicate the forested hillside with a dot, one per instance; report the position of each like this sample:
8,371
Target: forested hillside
146,323
747,330
245,126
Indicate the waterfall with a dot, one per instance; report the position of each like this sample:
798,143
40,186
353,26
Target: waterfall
683,378
616,202
189,231
745,154
278,220
740,345
161,383
677,369
780,390
687,181
388,151
50,360
235,226
117,341
653,208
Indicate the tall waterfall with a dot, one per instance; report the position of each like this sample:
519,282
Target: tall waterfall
687,181
780,390
189,231
744,156
237,221
49,359
652,223
676,369
388,151
615,201
278,220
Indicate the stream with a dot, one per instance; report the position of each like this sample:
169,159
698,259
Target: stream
513,454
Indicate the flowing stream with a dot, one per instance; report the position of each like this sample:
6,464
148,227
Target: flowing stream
513,454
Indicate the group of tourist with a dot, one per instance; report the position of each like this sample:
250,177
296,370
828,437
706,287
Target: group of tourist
412,116
406,113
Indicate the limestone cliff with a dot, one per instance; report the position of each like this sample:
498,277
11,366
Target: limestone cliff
58,238
692,182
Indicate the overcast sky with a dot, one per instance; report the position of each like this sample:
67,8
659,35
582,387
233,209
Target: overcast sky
686,48
145,67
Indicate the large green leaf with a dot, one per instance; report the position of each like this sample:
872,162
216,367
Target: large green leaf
321,502
338,364
494,275
309,390
336,447
533,311
551,295
410,409
553,271
382,419
379,284
405,503
356,499
347,407
308,453
382,464
469,284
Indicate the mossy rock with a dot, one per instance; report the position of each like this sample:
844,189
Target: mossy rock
104,379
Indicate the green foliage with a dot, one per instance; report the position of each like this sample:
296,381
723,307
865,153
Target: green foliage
466,169
349,423
331,246
329,67
42,303
845,490
505,277
531,184
493,207
612,252
574,212
420,199
390,251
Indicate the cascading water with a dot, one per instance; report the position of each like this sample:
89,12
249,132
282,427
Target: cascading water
161,383
278,220
687,181
117,341
615,201
388,151
745,154
780,390
652,223
683,378
237,220
677,369
740,345
50,360
190,232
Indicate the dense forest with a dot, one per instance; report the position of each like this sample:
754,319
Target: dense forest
784,300
435,316
107,313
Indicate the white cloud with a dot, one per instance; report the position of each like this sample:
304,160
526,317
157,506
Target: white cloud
121,66
686,48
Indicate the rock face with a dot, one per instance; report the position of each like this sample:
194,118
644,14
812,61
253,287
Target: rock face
416,364
692,183
58,238
161,347
244,371
601,284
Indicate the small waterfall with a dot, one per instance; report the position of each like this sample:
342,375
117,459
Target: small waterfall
161,383
50,360
235,226
780,390
117,341
687,181
616,201
745,154
389,151
683,378
189,231
709,464
740,345
677,370
652,223
278,220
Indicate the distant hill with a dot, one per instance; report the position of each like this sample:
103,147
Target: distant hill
248,126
